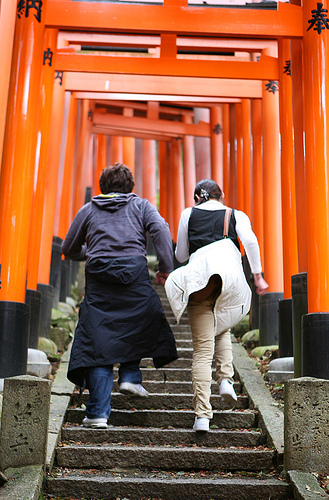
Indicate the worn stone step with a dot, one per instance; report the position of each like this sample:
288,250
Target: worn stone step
184,343
176,387
170,457
165,374
226,419
167,401
142,436
112,485
181,362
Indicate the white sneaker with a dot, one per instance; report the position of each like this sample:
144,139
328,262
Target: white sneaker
129,388
201,424
95,423
227,392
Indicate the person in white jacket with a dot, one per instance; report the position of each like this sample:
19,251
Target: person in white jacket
213,288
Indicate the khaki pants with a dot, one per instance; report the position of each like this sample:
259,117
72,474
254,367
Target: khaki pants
207,347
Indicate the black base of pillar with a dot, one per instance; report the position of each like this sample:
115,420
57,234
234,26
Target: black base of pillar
315,345
33,298
285,329
56,269
47,293
14,338
299,309
269,318
65,290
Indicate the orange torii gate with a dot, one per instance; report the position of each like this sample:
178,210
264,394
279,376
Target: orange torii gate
171,20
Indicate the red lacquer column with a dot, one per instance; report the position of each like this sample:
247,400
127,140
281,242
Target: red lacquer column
257,174
189,165
163,180
246,155
273,262
7,28
177,183
226,150
17,173
216,144
289,229
202,147
239,159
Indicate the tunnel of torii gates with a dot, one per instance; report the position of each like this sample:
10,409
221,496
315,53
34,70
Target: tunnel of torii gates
177,92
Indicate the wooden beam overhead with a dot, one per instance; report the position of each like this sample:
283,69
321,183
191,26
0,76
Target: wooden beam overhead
106,17
175,100
265,69
98,129
165,127
165,86
153,41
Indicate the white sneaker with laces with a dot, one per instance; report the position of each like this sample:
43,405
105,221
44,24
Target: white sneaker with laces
95,423
227,392
201,424
136,389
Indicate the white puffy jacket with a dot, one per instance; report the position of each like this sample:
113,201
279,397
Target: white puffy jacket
222,258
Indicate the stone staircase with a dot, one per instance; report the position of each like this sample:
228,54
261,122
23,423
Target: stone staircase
150,451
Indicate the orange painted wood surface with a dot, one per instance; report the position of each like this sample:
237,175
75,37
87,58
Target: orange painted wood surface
289,225
286,21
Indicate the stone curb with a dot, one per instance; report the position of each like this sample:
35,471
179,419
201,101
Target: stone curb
305,486
24,483
270,417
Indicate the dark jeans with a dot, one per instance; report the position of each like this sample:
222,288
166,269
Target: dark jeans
100,383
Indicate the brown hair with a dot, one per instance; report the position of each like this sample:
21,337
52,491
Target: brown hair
116,179
205,190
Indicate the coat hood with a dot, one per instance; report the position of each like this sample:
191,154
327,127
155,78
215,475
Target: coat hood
112,201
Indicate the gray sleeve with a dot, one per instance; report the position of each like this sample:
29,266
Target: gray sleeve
73,246
160,235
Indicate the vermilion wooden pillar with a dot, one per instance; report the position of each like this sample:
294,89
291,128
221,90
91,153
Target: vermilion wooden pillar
163,180
46,99
17,173
298,117
117,149
128,146
16,185
226,151
189,165
170,191
202,147
231,195
65,217
289,229
216,144
273,261
246,154
239,159
316,88
149,159
100,160
257,174
138,168
48,215
82,156
177,183
315,324
7,28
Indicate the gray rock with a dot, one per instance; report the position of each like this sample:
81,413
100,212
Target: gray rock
306,427
24,425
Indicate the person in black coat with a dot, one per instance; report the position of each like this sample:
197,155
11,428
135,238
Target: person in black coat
121,319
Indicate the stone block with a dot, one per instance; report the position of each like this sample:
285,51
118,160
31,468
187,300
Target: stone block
306,425
25,419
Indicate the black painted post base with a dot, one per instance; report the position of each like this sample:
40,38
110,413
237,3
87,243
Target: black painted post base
315,345
33,298
299,308
269,318
285,329
56,269
14,338
47,294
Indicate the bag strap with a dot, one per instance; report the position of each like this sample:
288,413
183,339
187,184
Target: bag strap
227,219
